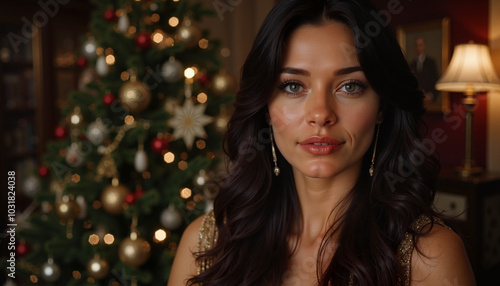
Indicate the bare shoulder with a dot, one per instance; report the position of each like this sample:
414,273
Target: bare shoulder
443,260
184,266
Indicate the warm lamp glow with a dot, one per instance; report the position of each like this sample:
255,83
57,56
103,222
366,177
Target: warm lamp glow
470,69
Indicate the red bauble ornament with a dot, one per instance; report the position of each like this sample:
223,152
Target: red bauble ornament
203,79
81,61
130,199
143,40
60,132
108,99
22,249
43,171
110,15
159,144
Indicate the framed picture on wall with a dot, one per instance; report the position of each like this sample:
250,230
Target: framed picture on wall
426,46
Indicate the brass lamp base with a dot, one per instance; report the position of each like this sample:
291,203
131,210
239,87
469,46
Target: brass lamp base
468,171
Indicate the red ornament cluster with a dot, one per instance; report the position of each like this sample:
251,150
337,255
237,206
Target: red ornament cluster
132,198
110,15
81,61
143,40
43,171
22,249
203,79
158,145
108,98
60,132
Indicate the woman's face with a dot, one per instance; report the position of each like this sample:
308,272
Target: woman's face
323,111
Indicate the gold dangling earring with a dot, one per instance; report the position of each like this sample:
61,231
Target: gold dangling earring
275,159
372,167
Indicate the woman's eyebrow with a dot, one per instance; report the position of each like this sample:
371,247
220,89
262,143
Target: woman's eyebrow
342,71
348,70
295,71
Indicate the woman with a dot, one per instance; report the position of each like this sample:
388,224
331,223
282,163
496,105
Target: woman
329,183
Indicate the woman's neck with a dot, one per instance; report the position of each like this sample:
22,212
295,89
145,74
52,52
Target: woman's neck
322,201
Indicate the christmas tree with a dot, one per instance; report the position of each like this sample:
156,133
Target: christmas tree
136,153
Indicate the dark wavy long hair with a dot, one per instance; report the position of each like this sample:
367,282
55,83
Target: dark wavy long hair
255,211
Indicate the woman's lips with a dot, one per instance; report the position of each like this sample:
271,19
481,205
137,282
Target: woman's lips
320,145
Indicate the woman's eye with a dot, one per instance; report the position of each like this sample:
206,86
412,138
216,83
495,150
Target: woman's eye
352,87
291,87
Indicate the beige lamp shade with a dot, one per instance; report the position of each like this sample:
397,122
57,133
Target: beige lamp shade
470,69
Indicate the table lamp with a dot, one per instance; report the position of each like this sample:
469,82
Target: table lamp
470,71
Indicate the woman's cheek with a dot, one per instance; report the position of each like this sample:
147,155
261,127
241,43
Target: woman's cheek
284,115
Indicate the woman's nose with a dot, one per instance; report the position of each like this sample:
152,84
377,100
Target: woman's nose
320,108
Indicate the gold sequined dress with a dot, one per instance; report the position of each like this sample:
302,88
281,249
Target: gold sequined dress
208,238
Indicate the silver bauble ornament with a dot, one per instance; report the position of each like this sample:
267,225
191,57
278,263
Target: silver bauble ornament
97,132
123,23
32,186
101,67
50,271
73,155
171,218
172,70
89,48
141,161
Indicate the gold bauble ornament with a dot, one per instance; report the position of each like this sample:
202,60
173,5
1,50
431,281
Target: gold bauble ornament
113,198
223,83
134,95
66,210
98,267
134,252
188,33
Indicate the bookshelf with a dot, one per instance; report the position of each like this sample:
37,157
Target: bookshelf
20,95
34,83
